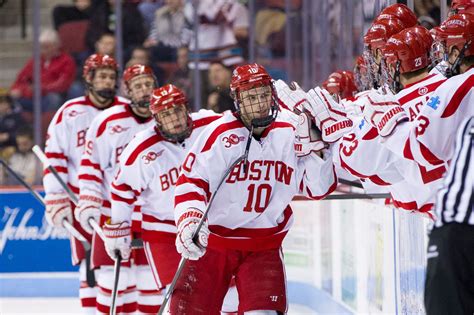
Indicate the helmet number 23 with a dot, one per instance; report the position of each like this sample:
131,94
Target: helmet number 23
261,195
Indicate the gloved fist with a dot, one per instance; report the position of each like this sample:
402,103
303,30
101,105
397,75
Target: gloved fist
88,208
58,209
308,138
118,239
292,96
383,112
330,117
187,225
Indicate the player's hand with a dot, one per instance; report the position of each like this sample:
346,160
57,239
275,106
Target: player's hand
88,208
330,117
384,112
118,239
58,209
187,225
292,96
308,137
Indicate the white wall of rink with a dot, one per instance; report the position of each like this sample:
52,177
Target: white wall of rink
365,257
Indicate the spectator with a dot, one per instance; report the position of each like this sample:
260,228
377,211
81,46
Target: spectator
23,161
141,55
219,22
219,99
180,77
57,74
10,121
147,9
105,44
80,10
103,20
166,34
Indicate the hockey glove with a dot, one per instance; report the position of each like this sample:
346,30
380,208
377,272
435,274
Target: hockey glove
308,138
187,225
292,97
330,117
383,112
58,209
118,239
88,208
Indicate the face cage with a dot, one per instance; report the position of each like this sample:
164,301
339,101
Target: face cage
176,137
108,94
372,69
142,103
264,121
362,81
455,68
393,82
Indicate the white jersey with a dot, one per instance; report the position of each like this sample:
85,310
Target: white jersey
251,209
429,140
362,154
107,137
148,172
66,139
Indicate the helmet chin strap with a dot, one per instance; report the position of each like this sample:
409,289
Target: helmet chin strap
396,85
178,137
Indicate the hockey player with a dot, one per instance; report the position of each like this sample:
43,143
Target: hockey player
251,214
341,84
106,139
64,146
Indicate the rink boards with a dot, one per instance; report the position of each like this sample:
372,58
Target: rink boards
348,256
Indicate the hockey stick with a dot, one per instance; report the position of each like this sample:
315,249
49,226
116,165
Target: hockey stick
350,183
136,243
66,224
357,196
243,158
117,264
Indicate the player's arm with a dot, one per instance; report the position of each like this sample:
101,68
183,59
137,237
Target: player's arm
91,175
58,206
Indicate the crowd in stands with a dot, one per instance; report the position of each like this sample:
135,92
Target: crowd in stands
158,33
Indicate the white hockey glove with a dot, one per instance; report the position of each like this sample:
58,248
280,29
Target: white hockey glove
187,225
293,97
308,138
58,209
383,112
87,208
330,117
118,238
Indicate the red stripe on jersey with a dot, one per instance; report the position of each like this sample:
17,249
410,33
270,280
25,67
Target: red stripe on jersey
458,96
56,155
204,121
103,124
191,196
415,94
220,130
128,201
431,175
106,204
90,177
275,125
86,162
419,81
371,134
374,178
59,169
330,190
88,302
183,179
152,219
74,189
281,104
253,232
412,205
429,156
83,102
143,146
125,188
407,151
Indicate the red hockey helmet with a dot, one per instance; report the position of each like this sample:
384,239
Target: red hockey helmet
380,32
408,50
248,76
135,71
462,6
401,12
97,61
458,31
166,97
341,83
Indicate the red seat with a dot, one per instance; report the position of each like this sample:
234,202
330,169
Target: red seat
73,36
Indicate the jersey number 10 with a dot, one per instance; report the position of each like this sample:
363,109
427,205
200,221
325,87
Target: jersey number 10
261,195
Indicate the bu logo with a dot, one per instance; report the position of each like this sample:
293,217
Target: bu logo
118,129
74,113
423,90
151,156
232,140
